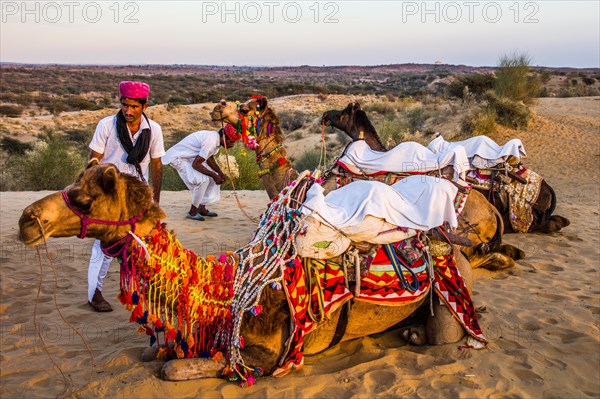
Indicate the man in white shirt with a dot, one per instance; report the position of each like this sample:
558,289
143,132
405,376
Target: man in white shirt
193,158
134,143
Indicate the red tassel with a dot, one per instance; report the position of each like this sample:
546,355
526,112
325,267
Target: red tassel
137,313
171,335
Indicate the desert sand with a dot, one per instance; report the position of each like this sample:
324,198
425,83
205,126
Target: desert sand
542,317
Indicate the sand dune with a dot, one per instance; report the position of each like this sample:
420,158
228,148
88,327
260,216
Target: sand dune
542,317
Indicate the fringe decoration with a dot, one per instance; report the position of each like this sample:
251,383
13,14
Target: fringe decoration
180,300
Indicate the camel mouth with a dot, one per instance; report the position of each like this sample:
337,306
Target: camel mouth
32,242
31,238
31,233
215,118
325,119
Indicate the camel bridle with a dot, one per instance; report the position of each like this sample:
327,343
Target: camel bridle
86,221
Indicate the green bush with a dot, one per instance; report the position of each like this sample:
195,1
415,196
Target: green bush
80,137
382,108
309,160
515,80
416,119
292,120
14,146
580,90
171,180
588,81
391,130
51,165
76,103
248,169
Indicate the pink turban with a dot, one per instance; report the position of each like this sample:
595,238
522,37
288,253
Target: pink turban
134,89
231,133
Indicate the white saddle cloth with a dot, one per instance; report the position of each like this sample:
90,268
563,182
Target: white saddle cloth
482,151
370,211
407,157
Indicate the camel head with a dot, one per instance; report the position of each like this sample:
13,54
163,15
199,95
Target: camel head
256,103
344,120
228,112
353,121
100,192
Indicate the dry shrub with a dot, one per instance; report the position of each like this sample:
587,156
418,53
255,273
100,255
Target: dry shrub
481,121
510,113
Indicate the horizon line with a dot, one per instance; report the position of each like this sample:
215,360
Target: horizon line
2,63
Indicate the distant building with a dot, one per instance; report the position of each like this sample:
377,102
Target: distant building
438,63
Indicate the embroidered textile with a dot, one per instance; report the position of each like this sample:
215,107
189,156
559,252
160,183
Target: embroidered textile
451,289
314,290
520,198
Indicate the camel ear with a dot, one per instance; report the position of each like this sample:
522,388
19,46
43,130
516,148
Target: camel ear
92,162
356,106
263,102
244,109
109,179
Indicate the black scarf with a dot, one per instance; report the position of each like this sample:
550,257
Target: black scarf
135,153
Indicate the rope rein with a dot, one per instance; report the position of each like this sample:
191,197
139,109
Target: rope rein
235,195
67,382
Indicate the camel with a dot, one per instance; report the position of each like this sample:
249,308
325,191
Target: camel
271,156
108,205
510,180
481,223
485,223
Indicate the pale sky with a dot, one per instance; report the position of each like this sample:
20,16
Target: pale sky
274,33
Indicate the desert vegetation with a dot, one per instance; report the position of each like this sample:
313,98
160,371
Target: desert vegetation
48,113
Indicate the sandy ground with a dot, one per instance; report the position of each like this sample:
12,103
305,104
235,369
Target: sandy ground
542,317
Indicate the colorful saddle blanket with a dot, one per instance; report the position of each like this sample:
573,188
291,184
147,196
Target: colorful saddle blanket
379,282
408,157
482,151
316,288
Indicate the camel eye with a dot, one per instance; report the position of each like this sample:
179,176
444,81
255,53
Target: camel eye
80,200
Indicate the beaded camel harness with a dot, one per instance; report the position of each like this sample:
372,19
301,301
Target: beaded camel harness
251,127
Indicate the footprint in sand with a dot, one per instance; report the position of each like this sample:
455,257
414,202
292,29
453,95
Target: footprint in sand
529,377
379,381
551,268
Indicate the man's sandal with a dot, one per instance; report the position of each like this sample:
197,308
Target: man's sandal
197,216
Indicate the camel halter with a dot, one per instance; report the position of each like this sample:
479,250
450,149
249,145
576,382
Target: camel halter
86,221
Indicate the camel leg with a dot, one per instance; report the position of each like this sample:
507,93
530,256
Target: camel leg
493,261
554,224
442,327
480,256
191,369
512,252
